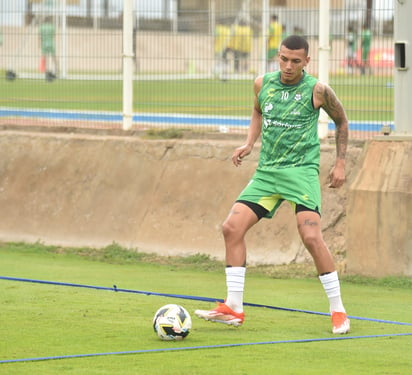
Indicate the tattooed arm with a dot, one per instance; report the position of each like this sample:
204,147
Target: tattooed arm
325,97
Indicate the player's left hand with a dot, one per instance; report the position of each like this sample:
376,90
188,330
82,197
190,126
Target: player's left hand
337,177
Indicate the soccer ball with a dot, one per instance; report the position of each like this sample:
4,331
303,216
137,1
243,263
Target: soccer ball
172,322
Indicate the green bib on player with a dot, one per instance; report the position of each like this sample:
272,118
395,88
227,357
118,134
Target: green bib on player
289,124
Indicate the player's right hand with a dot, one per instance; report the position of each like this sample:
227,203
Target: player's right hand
240,153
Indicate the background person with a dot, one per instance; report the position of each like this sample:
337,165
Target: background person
47,35
240,44
274,39
285,115
244,38
221,41
352,45
366,41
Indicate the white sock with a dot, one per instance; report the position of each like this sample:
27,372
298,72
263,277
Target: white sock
235,282
331,286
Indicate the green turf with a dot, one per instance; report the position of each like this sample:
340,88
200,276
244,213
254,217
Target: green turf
46,320
366,98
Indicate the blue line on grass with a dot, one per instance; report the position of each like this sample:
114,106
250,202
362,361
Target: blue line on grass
163,118
202,347
183,296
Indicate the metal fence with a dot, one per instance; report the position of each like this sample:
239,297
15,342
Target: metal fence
195,61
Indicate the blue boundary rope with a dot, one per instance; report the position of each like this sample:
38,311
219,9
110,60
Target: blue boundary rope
207,299
202,347
114,288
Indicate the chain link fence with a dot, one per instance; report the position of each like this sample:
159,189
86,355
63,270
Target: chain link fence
195,60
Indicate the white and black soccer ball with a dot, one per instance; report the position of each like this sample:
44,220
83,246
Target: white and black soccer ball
172,322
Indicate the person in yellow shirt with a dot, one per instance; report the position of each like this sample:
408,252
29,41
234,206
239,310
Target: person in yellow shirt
221,42
241,45
222,36
274,39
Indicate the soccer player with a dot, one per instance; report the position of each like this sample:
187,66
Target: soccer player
47,34
352,43
285,114
221,41
366,41
274,39
242,46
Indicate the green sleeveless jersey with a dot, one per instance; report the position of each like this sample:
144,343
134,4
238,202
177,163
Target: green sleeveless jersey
289,124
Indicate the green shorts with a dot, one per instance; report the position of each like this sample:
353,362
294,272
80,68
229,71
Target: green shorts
298,186
365,54
48,50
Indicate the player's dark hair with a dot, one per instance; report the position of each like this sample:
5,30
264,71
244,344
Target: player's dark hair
296,42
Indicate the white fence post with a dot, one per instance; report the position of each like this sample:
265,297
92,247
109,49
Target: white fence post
128,57
324,50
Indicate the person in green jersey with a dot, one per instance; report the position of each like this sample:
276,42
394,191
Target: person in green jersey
285,115
366,41
352,44
47,35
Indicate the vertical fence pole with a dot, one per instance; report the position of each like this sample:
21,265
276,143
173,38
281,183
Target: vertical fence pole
324,50
63,53
127,64
96,22
212,17
265,28
403,66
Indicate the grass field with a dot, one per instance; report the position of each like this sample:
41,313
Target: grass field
366,98
41,320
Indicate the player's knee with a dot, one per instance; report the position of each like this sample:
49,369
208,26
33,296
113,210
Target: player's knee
312,241
229,230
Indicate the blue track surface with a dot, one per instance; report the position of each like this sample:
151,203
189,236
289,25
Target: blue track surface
152,118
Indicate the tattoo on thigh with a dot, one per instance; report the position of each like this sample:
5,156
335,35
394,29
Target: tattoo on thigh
310,223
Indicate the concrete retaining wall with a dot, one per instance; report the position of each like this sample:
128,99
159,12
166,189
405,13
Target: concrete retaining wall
379,211
167,196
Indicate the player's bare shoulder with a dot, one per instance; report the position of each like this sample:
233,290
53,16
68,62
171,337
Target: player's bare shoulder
321,93
258,84
325,97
